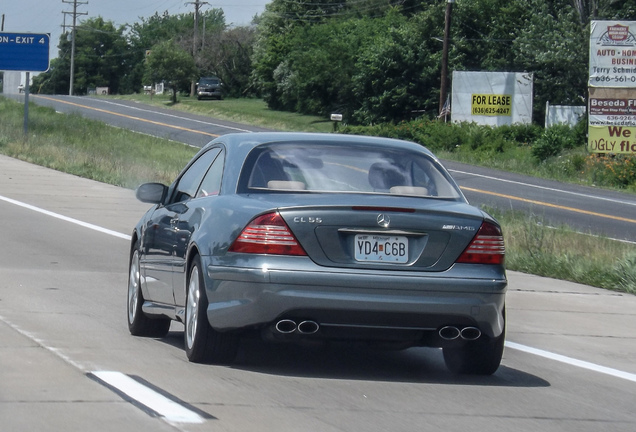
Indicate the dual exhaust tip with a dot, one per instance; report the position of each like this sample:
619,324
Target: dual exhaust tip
308,327
467,333
287,326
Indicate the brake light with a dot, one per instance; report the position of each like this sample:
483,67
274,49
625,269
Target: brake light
267,234
487,247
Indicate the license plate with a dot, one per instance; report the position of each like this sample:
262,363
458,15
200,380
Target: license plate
379,248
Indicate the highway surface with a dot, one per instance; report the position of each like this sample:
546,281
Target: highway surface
67,361
585,209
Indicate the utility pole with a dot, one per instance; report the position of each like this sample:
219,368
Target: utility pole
197,5
444,85
75,13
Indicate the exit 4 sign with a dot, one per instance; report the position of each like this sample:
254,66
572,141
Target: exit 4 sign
26,52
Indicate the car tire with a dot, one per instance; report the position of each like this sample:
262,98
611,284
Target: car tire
139,324
480,357
203,344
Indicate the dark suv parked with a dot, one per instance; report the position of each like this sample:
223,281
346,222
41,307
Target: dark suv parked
209,87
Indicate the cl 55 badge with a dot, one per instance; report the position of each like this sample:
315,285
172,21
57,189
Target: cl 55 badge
303,219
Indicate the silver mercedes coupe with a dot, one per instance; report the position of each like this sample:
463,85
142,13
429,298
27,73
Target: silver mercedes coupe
318,237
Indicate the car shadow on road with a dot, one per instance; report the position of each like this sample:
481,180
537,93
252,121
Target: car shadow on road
361,362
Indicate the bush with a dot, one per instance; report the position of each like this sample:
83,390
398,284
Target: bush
613,170
553,141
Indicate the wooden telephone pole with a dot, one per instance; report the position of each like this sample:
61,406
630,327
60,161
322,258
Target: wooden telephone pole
443,93
75,13
195,48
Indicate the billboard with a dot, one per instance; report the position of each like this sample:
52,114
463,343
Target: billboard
492,98
613,54
612,120
612,87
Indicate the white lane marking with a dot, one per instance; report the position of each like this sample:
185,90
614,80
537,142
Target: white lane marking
572,361
171,411
41,343
66,218
547,188
168,115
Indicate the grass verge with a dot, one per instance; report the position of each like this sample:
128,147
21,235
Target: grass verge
561,253
91,149
248,111
88,148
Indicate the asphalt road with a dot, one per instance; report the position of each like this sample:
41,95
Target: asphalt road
585,209
68,363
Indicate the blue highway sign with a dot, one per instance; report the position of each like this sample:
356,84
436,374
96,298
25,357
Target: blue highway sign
26,52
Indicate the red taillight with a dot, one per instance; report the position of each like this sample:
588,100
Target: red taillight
487,247
267,234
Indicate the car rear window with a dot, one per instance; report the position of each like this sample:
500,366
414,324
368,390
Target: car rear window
332,168
209,81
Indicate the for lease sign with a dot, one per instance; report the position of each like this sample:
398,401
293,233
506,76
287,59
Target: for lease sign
613,54
492,98
491,104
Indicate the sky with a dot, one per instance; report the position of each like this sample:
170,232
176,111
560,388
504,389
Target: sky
45,16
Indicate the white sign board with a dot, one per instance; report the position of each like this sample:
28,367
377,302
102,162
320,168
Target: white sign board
613,54
563,114
492,98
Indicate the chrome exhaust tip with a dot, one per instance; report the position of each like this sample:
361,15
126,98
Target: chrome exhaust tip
449,333
308,327
470,333
285,326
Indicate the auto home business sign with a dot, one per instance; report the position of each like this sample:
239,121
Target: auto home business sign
26,52
612,87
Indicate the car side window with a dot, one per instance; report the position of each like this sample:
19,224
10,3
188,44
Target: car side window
189,182
211,184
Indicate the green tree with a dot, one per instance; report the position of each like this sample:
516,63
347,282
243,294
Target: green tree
555,48
287,28
228,55
171,64
604,10
102,59
178,28
102,56
483,33
55,80
397,76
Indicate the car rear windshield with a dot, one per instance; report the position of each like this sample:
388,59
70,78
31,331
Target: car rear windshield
347,168
209,81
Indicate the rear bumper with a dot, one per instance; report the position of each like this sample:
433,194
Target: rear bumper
214,94
242,297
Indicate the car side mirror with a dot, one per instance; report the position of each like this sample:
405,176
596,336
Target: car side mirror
153,193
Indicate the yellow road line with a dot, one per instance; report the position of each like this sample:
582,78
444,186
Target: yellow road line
541,203
132,117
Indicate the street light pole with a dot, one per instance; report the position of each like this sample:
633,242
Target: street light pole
444,85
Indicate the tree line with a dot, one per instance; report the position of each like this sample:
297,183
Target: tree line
373,61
